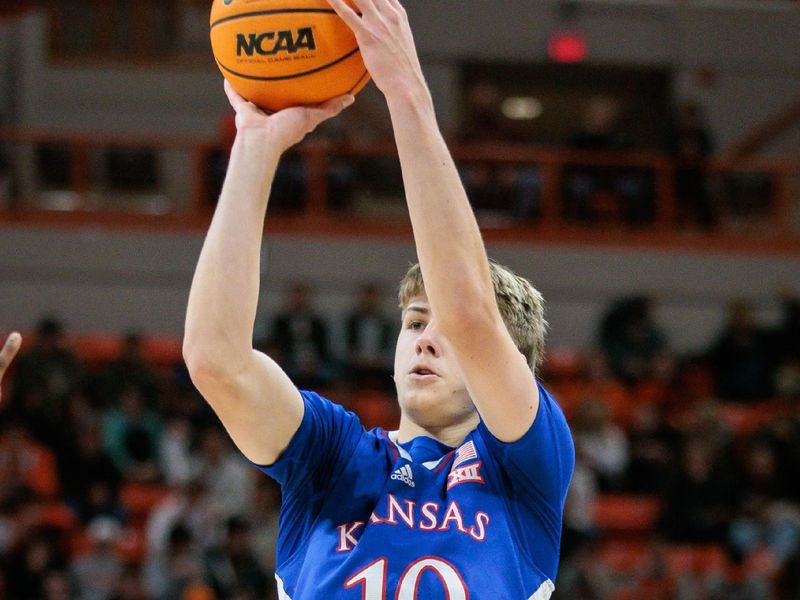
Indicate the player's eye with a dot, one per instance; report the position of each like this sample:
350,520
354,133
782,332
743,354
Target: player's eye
416,325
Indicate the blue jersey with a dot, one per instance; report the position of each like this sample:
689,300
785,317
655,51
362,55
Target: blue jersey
366,518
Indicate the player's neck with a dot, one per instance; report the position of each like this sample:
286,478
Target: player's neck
451,434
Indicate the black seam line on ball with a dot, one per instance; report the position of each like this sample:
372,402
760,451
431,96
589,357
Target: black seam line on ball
275,11
281,77
360,79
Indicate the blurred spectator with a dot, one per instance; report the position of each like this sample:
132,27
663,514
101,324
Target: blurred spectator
370,336
766,515
302,336
786,345
97,572
789,580
16,508
591,192
228,477
584,577
654,580
705,422
782,434
600,443
690,146
130,585
263,514
46,374
179,569
132,435
130,369
633,345
699,503
28,566
232,569
189,505
653,450
738,582
91,479
176,452
25,462
57,585
495,186
741,357
579,525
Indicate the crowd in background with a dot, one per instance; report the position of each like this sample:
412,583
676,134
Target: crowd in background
644,420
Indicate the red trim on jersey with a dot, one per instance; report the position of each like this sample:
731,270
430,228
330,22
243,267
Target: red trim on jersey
445,460
395,452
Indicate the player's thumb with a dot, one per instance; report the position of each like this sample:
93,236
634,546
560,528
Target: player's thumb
10,349
331,108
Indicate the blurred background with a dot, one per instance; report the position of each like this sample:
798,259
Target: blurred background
637,160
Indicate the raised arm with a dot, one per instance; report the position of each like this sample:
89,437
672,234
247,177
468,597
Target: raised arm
451,253
253,397
7,354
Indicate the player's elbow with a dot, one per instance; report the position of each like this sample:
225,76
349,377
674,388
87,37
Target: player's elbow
206,362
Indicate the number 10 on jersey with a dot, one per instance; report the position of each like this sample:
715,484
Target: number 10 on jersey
372,579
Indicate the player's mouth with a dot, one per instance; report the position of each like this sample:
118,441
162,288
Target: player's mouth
423,373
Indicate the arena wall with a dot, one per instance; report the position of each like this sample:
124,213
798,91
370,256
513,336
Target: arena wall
100,281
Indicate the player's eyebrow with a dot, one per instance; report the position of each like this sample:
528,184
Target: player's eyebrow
419,309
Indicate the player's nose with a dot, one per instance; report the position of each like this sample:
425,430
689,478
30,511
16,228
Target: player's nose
427,341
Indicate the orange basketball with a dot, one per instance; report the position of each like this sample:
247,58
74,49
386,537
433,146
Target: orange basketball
279,53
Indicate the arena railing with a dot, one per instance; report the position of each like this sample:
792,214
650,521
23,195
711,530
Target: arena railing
68,178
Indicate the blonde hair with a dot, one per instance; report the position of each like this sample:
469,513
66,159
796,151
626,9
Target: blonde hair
521,307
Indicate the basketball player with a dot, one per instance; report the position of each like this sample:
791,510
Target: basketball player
465,499
7,354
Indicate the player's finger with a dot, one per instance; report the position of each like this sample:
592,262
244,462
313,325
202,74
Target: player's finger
385,7
331,108
233,96
9,351
347,14
367,7
395,4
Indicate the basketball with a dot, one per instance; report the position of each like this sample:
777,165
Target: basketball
280,53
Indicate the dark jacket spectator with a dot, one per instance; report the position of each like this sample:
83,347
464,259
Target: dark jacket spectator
700,502
633,345
369,336
741,358
233,570
690,146
302,336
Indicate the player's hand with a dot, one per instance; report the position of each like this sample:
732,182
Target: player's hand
286,127
7,354
386,43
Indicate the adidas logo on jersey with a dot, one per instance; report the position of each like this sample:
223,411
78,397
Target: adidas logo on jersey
404,474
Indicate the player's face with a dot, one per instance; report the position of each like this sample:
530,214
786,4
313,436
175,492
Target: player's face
430,385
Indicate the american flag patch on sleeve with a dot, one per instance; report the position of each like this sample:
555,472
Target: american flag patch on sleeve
465,453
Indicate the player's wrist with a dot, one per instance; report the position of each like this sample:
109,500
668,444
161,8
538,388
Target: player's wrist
410,99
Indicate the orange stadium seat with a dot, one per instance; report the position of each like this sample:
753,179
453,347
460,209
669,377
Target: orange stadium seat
98,348
132,545
624,556
57,514
139,499
689,559
626,514
163,352
745,420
